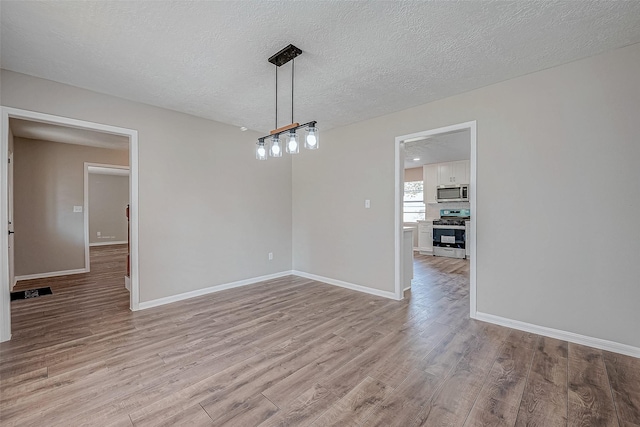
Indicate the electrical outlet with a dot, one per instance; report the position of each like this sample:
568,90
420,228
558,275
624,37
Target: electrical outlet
270,256
99,234
367,204
77,209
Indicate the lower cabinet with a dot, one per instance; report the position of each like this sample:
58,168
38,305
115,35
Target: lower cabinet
425,237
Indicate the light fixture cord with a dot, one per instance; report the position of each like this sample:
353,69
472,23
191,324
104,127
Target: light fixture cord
293,63
276,127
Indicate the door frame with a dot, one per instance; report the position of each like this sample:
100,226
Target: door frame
8,112
105,170
399,191
10,259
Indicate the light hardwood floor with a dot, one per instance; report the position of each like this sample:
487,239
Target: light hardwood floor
296,352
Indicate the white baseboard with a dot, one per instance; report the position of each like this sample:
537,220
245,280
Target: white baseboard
107,243
51,274
127,283
561,335
347,285
209,290
218,288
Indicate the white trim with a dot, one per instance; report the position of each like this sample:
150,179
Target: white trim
561,335
5,114
127,283
10,220
5,288
51,274
134,299
211,289
114,170
217,288
85,215
473,203
108,243
347,285
398,221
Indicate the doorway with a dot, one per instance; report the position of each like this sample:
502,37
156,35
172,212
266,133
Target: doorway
105,202
400,254
5,255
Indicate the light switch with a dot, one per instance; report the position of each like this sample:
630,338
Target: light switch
77,209
367,204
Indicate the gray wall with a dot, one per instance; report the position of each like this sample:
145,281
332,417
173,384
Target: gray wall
48,182
108,200
554,148
209,213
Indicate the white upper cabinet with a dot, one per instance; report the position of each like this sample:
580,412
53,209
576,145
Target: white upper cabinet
445,174
453,173
430,173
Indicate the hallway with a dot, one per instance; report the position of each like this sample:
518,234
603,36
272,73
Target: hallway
78,302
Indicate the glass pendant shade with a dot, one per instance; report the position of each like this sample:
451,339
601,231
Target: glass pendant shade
276,149
292,144
311,142
261,151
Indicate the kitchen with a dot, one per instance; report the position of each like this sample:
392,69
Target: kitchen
436,203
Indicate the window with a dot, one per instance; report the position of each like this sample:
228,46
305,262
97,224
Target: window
413,205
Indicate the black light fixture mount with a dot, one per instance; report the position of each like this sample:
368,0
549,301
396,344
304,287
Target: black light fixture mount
285,55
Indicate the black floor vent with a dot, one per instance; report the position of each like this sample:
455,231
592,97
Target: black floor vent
31,293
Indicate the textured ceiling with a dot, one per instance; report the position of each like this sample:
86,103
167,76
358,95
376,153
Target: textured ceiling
446,147
67,135
360,60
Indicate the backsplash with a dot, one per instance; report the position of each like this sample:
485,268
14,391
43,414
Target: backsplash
433,209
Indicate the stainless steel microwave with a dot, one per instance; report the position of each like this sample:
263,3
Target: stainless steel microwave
452,193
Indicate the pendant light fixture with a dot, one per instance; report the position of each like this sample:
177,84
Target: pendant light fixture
312,140
261,150
276,149
292,143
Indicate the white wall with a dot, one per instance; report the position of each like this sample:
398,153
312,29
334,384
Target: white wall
553,148
208,211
